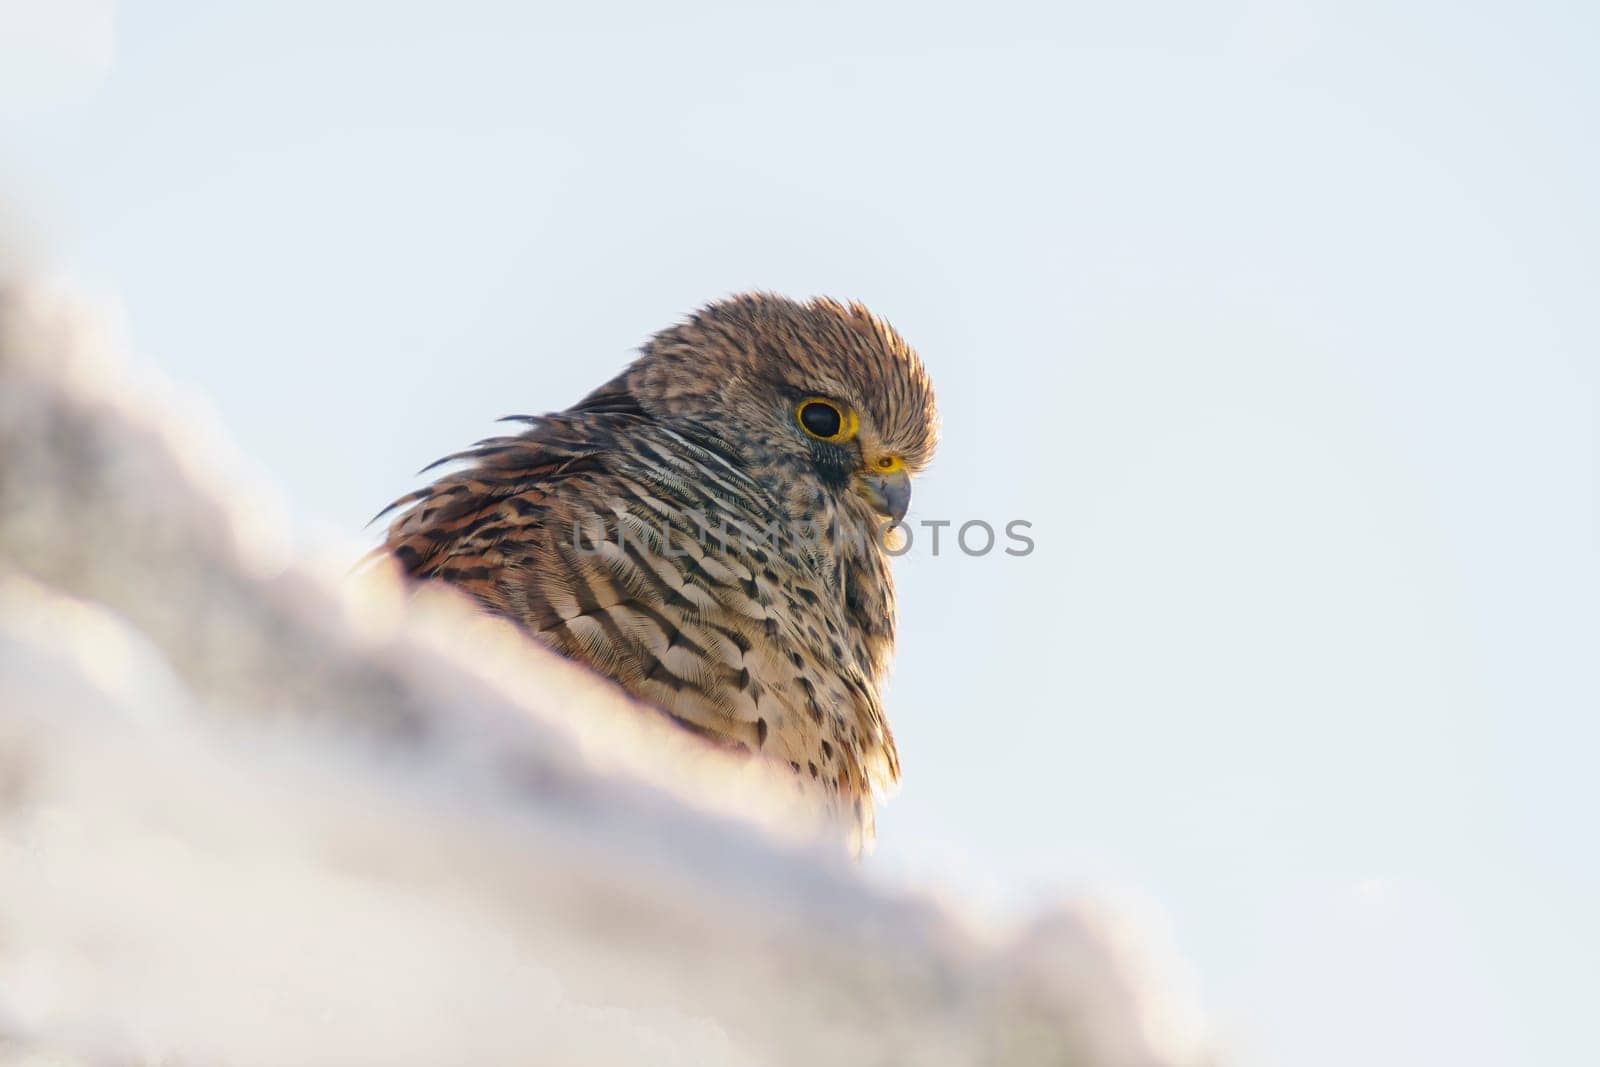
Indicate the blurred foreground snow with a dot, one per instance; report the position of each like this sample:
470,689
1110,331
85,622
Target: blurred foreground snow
255,814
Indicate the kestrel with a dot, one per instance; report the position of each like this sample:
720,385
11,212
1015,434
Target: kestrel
709,529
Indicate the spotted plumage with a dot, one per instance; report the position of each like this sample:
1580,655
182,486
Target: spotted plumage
707,530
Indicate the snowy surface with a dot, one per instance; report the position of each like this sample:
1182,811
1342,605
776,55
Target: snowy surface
253,811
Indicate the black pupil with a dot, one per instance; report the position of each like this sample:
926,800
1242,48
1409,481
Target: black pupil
820,419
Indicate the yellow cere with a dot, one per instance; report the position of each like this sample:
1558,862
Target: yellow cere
890,464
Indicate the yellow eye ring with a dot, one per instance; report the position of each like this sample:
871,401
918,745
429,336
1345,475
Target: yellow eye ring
825,420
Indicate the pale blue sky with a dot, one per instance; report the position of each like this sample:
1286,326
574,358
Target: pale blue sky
1276,319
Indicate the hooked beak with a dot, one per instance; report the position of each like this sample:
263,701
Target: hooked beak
888,491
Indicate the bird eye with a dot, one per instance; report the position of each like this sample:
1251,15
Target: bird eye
825,420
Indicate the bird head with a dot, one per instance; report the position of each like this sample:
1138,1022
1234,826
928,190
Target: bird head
821,402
